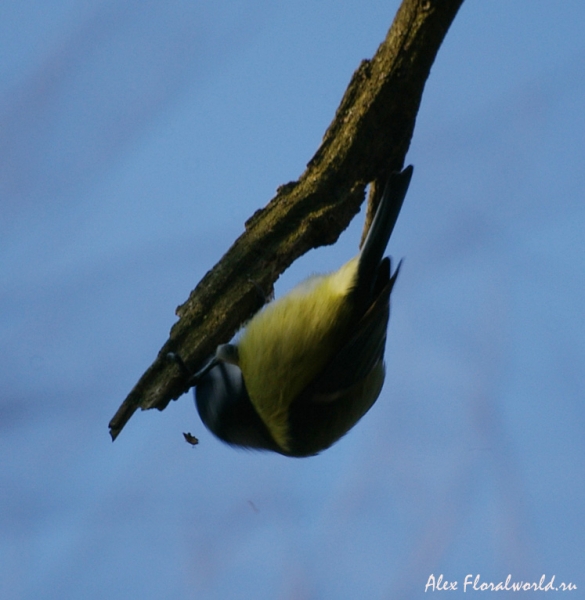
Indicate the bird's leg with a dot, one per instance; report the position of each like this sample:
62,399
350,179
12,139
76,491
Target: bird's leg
192,378
260,292
175,358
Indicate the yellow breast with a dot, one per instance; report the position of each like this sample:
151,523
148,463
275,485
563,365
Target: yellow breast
287,344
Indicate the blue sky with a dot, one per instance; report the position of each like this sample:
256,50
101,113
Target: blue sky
136,139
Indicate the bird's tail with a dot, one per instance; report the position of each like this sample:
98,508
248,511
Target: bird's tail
382,227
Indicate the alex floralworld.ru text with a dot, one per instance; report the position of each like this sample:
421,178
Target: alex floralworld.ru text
471,583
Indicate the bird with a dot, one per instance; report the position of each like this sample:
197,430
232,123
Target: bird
309,365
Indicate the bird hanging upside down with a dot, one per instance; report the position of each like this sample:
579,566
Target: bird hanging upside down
309,365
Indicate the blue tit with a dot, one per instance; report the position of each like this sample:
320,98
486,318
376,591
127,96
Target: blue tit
308,366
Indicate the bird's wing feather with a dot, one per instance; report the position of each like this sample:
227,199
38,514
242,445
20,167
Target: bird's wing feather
358,356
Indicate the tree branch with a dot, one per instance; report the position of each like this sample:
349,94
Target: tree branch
368,138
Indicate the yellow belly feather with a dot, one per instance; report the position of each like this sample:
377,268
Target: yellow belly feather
311,320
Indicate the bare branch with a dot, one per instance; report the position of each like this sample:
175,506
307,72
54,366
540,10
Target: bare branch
368,138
